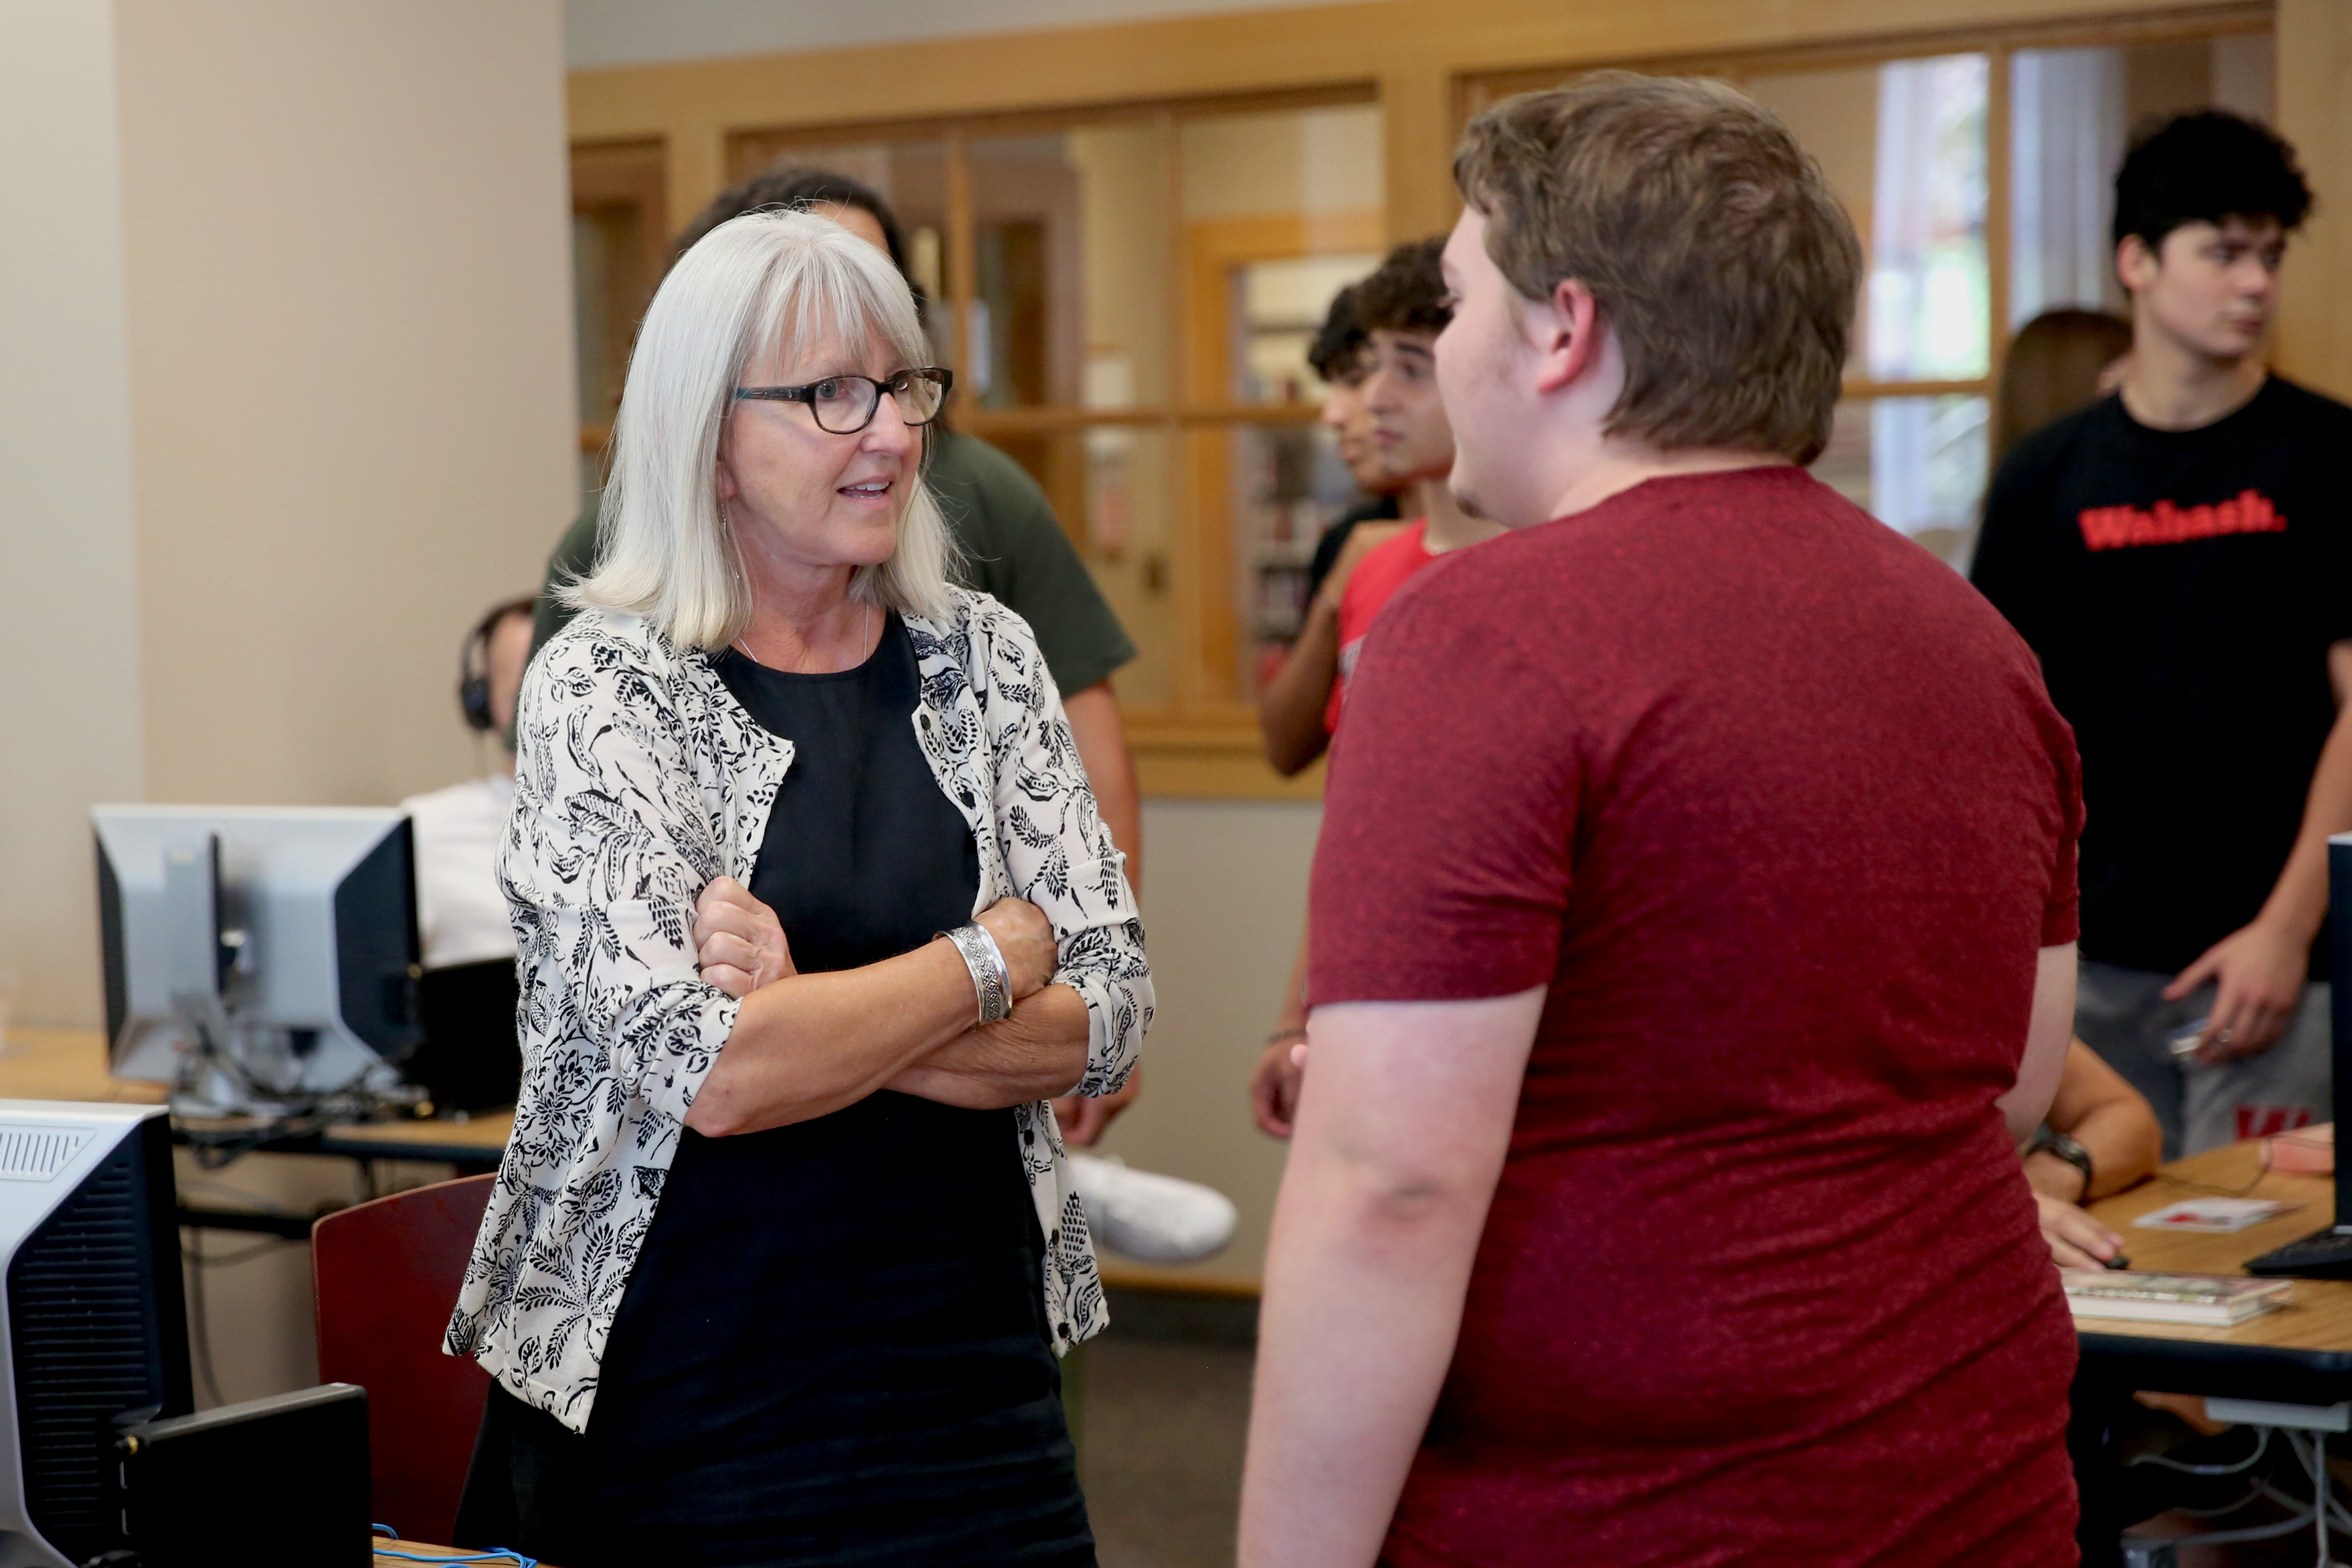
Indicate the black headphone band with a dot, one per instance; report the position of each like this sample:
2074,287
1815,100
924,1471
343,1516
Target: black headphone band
474,660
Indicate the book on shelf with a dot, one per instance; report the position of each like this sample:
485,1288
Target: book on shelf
2215,1299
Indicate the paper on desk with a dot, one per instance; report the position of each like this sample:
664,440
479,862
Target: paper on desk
2212,1216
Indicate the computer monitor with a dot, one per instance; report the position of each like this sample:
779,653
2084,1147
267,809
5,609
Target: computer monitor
2327,1253
260,960
93,1325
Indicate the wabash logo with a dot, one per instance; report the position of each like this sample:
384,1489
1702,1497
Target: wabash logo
2115,526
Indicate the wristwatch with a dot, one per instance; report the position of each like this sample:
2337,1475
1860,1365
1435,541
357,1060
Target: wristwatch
2047,1141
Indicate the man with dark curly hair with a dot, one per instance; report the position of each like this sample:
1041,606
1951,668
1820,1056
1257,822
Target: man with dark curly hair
2178,556
1400,309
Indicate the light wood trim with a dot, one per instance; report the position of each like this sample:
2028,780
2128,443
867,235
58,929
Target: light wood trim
1416,118
1173,59
2150,25
964,258
752,148
1032,421
1175,773
1213,248
695,168
1120,1275
2313,338
2319,1317
2001,139
1861,388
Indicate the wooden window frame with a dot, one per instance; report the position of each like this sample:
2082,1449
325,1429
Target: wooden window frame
714,120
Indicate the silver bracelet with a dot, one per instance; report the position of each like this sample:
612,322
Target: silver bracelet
986,962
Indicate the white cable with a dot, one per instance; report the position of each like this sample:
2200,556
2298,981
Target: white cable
2262,1446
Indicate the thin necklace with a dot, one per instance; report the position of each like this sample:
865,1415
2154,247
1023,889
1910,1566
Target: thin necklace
865,631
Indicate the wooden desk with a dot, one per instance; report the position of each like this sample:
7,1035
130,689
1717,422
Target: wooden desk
2300,1354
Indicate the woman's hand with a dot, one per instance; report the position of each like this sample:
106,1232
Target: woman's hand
1274,1087
739,942
1026,938
2076,1240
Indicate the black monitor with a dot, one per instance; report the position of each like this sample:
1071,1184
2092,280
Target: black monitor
92,1317
2327,1253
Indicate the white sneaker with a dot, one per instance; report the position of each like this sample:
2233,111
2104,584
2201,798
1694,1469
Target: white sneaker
1151,1218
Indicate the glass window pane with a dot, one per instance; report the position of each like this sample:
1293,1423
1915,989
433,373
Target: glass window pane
1929,286
1285,484
1834,116
1917,464
1071,254
1114,489
2071,112
1903,146
1279,209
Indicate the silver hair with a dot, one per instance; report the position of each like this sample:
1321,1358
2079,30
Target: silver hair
768,279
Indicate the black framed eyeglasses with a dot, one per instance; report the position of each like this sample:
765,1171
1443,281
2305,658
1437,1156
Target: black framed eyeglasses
845,405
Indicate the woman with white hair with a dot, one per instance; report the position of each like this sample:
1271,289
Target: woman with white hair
815,912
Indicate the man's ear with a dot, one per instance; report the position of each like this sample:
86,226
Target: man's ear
1565,333
2137,263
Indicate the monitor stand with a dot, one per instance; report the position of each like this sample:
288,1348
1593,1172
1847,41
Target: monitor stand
2327,1253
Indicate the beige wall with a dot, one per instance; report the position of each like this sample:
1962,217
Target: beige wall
69,641
351,376
1224,900
317,255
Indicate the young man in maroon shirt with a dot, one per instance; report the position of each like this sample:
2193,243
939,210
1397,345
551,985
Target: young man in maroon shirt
1692,931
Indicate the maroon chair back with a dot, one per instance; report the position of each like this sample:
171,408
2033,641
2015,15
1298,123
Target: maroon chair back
385,1275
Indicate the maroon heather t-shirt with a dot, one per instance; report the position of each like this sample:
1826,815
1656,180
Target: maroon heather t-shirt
1776,807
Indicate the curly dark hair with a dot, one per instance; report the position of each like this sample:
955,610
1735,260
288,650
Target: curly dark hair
2207,167
801,187
1339,345
1405,293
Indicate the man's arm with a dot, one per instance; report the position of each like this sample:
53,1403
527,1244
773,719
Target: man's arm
2259,969
1401,1139
1290,709
2096,1107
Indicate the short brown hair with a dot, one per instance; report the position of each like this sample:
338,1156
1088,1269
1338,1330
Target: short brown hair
1709,239
1406,293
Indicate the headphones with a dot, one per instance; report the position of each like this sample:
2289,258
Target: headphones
473,663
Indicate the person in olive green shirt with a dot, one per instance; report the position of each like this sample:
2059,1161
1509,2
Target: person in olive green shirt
1012,548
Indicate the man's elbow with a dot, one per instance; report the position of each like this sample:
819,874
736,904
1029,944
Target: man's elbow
1399,1199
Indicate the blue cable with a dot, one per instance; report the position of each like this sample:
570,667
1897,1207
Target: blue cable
497,1554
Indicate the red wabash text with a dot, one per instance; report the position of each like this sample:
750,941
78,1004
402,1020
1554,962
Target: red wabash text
2116,527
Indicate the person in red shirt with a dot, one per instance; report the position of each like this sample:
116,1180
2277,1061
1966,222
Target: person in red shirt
1401,307
1692,939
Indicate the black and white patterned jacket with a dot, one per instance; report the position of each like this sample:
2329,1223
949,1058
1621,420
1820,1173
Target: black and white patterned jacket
638,779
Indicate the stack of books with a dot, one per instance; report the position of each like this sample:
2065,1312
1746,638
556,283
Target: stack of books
2214,1300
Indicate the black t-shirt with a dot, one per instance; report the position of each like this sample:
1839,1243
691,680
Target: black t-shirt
2181,588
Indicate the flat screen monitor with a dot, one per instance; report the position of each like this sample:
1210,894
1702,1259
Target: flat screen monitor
259,959
92,1317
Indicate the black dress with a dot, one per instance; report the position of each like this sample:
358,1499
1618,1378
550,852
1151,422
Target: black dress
788,1381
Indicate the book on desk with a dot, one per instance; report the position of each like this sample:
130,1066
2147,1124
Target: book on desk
2217,1300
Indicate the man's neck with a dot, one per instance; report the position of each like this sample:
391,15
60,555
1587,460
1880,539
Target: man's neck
1448,526
2169,387
1620,465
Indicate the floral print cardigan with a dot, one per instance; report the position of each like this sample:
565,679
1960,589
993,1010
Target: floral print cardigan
638,780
